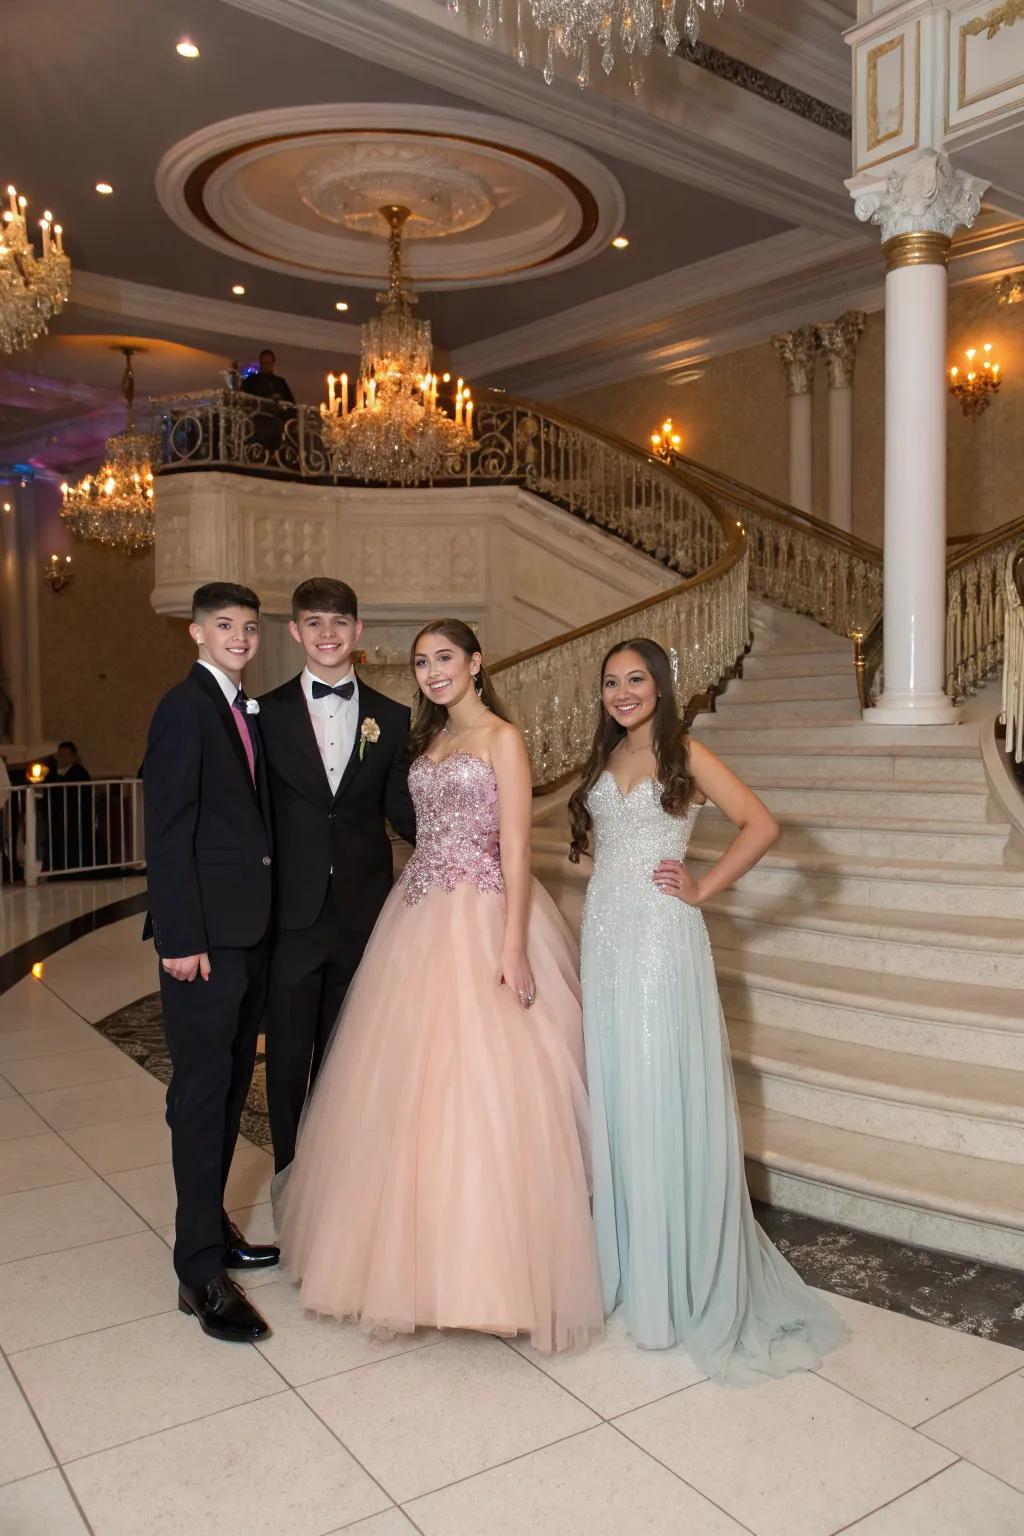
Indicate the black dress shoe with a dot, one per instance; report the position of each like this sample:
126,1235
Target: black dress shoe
238,1254
223,1311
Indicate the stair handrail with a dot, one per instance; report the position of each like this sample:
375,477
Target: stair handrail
976,613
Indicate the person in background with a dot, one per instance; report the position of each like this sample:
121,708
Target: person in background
266,383
69,812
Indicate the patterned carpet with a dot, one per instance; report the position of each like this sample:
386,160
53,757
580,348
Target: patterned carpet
974,1298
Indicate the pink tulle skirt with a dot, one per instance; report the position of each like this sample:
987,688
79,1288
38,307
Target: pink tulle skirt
441,1177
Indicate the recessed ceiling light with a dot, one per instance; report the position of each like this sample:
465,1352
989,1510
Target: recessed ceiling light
104,187
341,305
187,49
238,290
620,242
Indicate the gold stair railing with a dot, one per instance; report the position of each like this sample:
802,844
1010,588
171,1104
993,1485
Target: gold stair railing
975,607
1013,663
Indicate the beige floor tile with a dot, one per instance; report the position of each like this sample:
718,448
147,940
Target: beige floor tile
7,1090
22,1447
48,1040
419,1421
391,1523
150,1191
909,1368
59,1295
39,1506
30,1004
613,1376
105,970
266,1468
987,1429
38,1074
31,1162
122,1144
306,1348
594,1484
63,1216
19,1119
101,1389
796,1457
120,1098
962,1501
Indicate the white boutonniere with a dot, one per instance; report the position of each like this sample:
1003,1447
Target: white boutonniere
369,731
252,706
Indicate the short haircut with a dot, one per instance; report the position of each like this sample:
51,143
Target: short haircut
323,594
216,595
268,352
70,746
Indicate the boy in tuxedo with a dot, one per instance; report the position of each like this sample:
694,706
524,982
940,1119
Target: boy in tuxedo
208,852
337,769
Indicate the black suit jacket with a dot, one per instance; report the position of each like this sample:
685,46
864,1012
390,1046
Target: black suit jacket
208,842
315,831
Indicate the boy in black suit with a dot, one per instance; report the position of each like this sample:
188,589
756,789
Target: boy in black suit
208,852
338,771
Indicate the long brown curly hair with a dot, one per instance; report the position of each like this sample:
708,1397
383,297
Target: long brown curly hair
430,718
667,738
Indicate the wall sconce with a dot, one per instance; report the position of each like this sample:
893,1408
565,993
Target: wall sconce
38,773
975,385
1010,289
57,573
666,442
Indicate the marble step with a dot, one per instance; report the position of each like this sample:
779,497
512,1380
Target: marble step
949,1106
908,885
755,709
781,731
944,1200
902,800
875,837
823,643
782,690
985,951
851,764
769,663
952,1021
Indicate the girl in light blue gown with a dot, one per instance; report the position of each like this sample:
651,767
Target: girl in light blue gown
679,1248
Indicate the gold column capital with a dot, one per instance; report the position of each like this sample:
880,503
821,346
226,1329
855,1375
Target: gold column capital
917,248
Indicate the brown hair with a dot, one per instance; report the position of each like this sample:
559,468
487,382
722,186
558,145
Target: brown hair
323,594
667,738
430,717
216,595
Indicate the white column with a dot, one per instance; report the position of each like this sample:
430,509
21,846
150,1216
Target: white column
796,351
19,614
837,341
918,210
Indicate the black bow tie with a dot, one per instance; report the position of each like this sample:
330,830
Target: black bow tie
341,690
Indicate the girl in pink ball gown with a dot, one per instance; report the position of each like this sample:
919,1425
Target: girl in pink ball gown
441,1177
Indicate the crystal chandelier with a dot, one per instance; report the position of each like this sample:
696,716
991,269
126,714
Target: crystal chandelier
395,432
115,506
32,288
572,26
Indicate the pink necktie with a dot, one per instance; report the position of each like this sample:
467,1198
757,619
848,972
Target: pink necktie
243,731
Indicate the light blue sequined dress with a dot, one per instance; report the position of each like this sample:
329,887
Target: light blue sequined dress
678,1244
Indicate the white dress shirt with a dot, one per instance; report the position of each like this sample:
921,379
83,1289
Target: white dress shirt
334,725
227,687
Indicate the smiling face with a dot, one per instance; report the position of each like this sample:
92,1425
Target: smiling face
443,670
328,640
229,638
629,692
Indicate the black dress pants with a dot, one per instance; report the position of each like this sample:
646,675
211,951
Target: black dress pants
211,1029
310,971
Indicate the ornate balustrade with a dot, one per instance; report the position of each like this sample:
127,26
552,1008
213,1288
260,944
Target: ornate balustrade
1013,662
975,608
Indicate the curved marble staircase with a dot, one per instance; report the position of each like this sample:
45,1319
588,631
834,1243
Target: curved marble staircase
872,966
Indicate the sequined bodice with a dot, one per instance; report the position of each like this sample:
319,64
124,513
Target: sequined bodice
632,834
456,804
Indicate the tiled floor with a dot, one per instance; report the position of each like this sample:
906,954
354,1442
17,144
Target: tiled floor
120,1418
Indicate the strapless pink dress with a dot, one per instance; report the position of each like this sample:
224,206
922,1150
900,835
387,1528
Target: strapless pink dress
442,1171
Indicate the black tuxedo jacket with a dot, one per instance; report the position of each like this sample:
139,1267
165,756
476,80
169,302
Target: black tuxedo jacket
208,842
315,831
